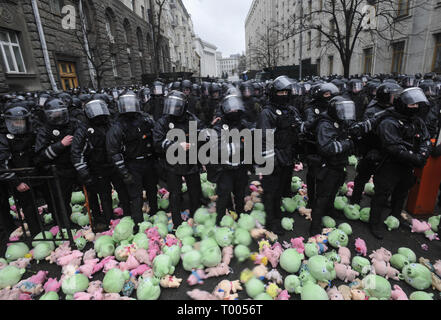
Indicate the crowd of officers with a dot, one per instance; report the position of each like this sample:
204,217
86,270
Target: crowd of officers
117,139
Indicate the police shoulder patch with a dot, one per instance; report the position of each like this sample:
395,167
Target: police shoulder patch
336,125
317,111
225,127
56,133
10,136
91,130
279,112
171,125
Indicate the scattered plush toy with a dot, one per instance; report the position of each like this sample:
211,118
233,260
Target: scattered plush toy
201,295
283,295
338,238
254,287
273,253
148,289
420,226
398,293
227,255
259,258
334,294
384,269
417,275
321,268
73,284
226,290
275,276
273,290
345,273
10,276
292,284
392,223
361,265
311,291
16,251
408,253
170,282
290,260
260,272
381,254
305,213
52,285
220,270
298,244
421,295
378,287
21,263
345,255
346,228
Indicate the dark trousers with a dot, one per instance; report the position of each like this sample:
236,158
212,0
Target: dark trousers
6,220
365,170
329,180
174,184
30,210
102,187
273,192
311,175
231,181
145,178
391,180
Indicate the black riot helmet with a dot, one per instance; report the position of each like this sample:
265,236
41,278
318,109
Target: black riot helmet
128,103
96,108
324,92
297,90
66,97
76,103
246,89
42,98
410,100
205,89
258,90
232,104
145,95
175,104
157,88
196,89
101,96
215,88
408,82
339,84
176,86
56,112
17,120
186,84
429,88
355,86
342,110
85,97
387,93
281,85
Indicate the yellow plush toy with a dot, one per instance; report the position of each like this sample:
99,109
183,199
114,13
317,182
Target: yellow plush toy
273,290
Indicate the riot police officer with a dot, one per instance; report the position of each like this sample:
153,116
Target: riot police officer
17,151
232,174
157,100
369,145
94,167
334,146
130,145
53,147
278,116
251,105
176,116
406,145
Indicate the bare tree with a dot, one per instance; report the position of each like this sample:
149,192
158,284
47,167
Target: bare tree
342,24
157,9
99,51
242,67
264,52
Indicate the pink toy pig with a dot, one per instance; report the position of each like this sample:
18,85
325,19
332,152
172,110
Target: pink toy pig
111,264
142,256
89,255
25,296
345,255
298,244
100,265
88,267
398,293
21,263
52,285
384,269
130,264
69,259
345,273
119,212
381,254
284,295
54,230
39,278
360,247
82,296
139,270
420,226
298,167
227,254
196,277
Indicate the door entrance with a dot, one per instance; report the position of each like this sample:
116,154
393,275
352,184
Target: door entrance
68,75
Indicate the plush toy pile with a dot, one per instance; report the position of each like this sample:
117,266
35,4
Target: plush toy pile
120,264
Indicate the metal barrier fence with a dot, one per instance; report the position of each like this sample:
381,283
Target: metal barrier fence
59,212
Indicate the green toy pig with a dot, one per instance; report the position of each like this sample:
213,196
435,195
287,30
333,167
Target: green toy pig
224,236
288,224
73,284
311,250
321,268
328,222
290,260
292,284
361,265
184,230
192,260
141,240
421,295
408,253
174,252
10,276
16,251
259,215
311,291
114,280
104,246
241,252
365,215
377,287
148,289
246,222
346,228
242,236
392,223
211,257
417,275
338,238
254,287
162,266
352,212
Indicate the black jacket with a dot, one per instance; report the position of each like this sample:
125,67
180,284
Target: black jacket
281,120
129,139
162,144
333,143
50,151
404,140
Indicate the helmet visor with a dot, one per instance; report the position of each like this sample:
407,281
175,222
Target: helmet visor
329,87
42,101
16,125
96,108
247,92
357,87
145,96
413,96
57,116
232,104
174,106
282,83
345,110
157,90
128,104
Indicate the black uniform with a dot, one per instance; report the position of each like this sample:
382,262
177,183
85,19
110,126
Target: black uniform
155,107
175,172
96,169
405,146
130,145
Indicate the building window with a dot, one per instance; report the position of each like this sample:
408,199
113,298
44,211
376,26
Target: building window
11,52
403,8
143,12
56,6
368,59
309,40
133,5
397,56
114,69
437,56
331,64
319,40
109,29
318,66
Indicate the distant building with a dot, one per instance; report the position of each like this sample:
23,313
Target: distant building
228,65
207,52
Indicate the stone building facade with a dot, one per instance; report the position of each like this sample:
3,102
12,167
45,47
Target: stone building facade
416,48
118,35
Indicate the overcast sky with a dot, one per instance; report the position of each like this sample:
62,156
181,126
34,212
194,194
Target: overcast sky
221,23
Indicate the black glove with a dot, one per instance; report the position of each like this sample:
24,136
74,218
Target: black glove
420,161
85,177
355,131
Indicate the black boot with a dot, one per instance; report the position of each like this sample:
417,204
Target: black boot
376,232
136,210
